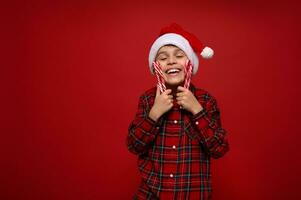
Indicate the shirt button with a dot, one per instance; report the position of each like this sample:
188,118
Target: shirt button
197,123
171,175
174,146
175,121
157,127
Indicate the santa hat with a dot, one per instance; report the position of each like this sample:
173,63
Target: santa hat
190,44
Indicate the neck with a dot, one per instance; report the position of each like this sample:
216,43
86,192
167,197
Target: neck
173,88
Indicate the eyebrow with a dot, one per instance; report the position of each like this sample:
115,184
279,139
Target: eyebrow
162,52
176,51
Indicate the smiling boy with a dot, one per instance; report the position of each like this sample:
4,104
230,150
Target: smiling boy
177,128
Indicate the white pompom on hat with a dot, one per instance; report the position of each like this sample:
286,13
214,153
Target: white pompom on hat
190,44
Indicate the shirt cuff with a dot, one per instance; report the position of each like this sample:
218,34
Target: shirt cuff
151,126
200,119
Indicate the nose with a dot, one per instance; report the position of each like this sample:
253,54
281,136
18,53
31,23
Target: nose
171,60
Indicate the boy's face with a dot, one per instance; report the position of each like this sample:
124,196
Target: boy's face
172,60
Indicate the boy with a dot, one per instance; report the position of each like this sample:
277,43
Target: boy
177,127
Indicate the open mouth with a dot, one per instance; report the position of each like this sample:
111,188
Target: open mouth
173,71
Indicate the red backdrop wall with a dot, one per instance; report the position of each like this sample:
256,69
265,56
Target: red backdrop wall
73,72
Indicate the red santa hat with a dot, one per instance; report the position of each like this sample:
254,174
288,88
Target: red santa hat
190,44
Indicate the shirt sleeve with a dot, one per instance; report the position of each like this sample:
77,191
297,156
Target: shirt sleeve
142,130
208,130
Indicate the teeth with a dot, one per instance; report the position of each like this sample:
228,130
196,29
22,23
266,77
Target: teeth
172,70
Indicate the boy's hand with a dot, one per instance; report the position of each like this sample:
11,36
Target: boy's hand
187,100
163,103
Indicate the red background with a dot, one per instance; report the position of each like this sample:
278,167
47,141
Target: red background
72,73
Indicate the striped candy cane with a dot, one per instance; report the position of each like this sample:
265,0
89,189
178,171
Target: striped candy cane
159,75
188,72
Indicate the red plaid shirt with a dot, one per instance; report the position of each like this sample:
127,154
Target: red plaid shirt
174,152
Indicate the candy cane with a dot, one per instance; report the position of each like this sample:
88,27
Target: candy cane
159,75
188,72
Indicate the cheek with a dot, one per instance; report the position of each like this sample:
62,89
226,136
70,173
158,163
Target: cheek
162,64
184,61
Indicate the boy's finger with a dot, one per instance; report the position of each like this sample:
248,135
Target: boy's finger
157,91
180,94
167,91
180,88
